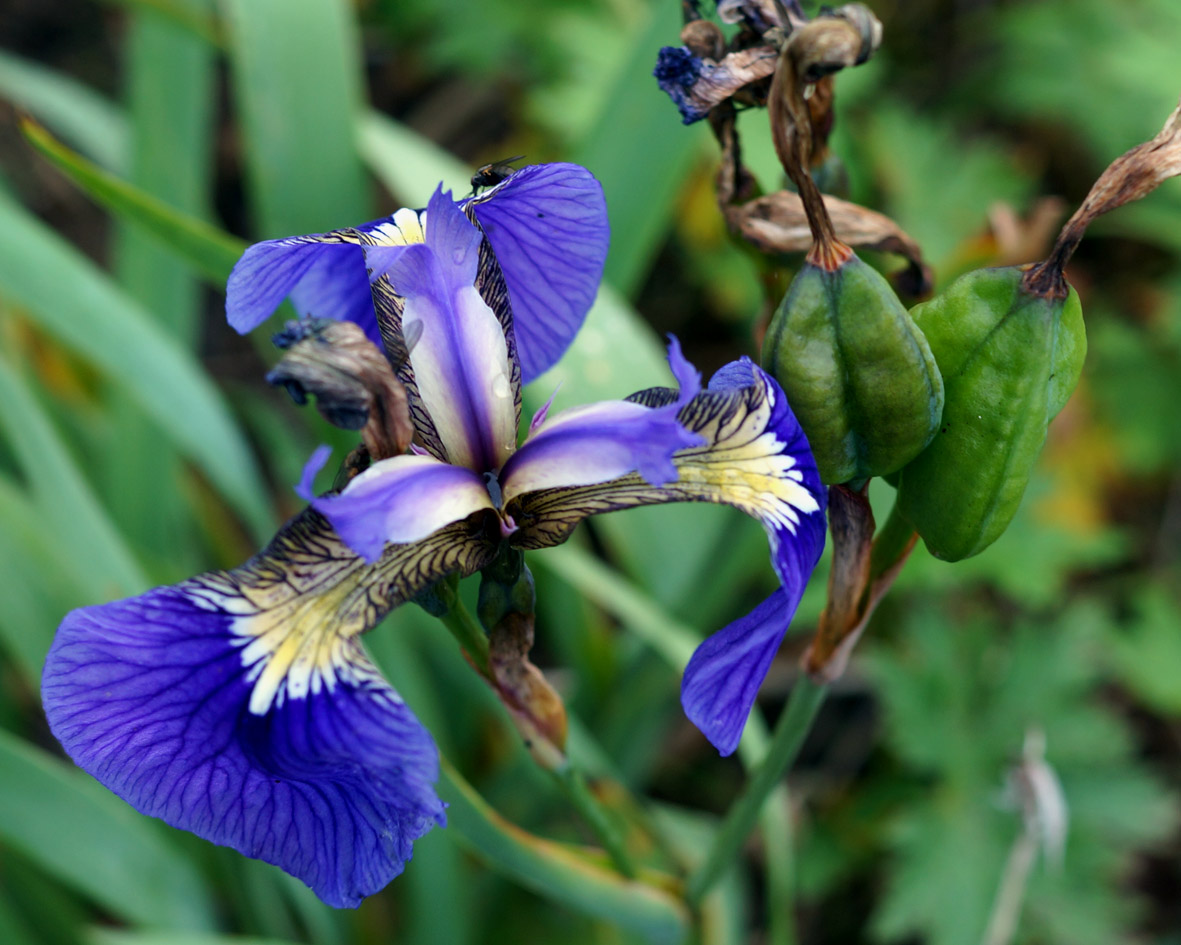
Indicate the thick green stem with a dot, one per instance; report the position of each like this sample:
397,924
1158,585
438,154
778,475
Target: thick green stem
561,872
789,734
891,543
470,636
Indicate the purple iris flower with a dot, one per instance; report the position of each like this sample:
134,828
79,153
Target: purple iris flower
241,705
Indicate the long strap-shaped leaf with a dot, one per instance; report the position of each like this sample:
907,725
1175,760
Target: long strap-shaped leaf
297,81
558,871
69,512
80,305
81,834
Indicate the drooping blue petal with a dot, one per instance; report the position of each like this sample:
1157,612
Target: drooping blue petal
725,672
240,705
152,696
604,441
323,273
754,456
461,361
547,225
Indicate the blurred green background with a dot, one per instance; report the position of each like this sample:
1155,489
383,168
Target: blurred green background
139,444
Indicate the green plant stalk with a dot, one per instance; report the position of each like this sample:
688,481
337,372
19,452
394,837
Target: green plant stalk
574,785
790,731
560,871
568,776
891,542
470,636
675,642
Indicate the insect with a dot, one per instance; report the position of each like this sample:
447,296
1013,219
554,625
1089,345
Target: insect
489,175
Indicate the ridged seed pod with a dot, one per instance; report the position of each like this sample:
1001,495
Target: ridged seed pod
857,370
1010,360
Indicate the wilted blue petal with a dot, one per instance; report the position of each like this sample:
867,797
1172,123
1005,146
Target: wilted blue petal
604,441
696,85
677,71
547,225
461,362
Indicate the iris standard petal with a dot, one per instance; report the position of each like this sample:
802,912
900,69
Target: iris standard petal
725,672
241,706
400,499
461,361
547,225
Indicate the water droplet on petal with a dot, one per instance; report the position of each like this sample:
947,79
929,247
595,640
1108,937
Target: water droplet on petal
500,386
457,254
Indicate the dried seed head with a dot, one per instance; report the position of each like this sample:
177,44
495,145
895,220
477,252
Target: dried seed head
1130,176
353,382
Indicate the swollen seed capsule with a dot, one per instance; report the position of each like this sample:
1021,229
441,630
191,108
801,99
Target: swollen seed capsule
1010,360
856,369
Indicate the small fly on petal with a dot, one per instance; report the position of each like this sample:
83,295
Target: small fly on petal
489,175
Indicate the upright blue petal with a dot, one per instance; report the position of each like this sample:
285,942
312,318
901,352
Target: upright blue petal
547,225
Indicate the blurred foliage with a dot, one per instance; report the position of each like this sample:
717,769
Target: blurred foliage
138,444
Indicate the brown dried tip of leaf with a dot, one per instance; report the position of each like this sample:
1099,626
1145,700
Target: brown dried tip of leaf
535,707
1129,177
863,570
777,223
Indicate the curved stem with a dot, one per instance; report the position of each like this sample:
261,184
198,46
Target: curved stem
561,872
574,785
790,731
470,636
569,778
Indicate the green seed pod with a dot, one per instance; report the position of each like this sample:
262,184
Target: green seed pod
1010,360
857,370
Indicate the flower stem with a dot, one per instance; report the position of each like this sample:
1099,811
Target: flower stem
569,777
470,636
573,784
789,734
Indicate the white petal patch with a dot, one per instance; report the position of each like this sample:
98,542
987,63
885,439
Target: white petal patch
295,644
299,608
745,464
404,228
